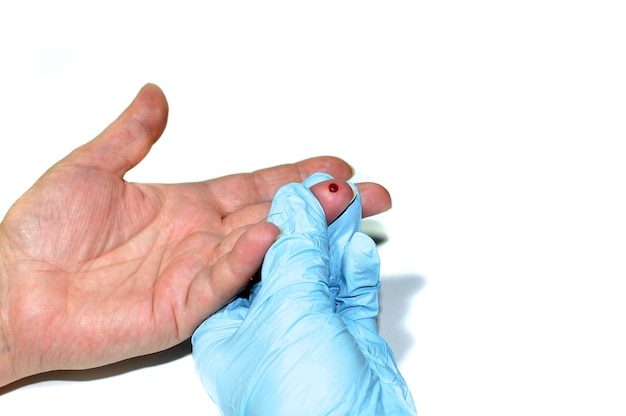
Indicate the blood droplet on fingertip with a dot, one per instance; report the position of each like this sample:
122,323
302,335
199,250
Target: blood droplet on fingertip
334,195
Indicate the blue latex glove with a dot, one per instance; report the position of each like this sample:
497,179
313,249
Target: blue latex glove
305,342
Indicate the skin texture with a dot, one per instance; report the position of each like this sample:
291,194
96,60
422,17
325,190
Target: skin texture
94,269
334,196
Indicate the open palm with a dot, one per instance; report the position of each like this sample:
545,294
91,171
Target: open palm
96,269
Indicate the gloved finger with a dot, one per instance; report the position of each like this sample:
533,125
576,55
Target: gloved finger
394,396
339,233
220,326
298,260
357,304
357,299
332,195
208,340
224,322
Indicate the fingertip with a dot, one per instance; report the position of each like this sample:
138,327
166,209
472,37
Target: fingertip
151,108
233,272
358,296
250,249
334,196
363,246
126,141
375,198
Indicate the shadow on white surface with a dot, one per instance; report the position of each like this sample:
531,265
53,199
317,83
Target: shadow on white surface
110,370
396,297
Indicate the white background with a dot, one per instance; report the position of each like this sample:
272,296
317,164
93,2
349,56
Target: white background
497,126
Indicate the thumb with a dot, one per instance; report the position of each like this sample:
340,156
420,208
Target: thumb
126,141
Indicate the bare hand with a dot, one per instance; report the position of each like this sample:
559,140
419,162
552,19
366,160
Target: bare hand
94,269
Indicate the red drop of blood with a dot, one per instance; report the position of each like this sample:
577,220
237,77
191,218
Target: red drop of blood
333,187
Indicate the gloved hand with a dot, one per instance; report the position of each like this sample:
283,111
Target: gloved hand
305,341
